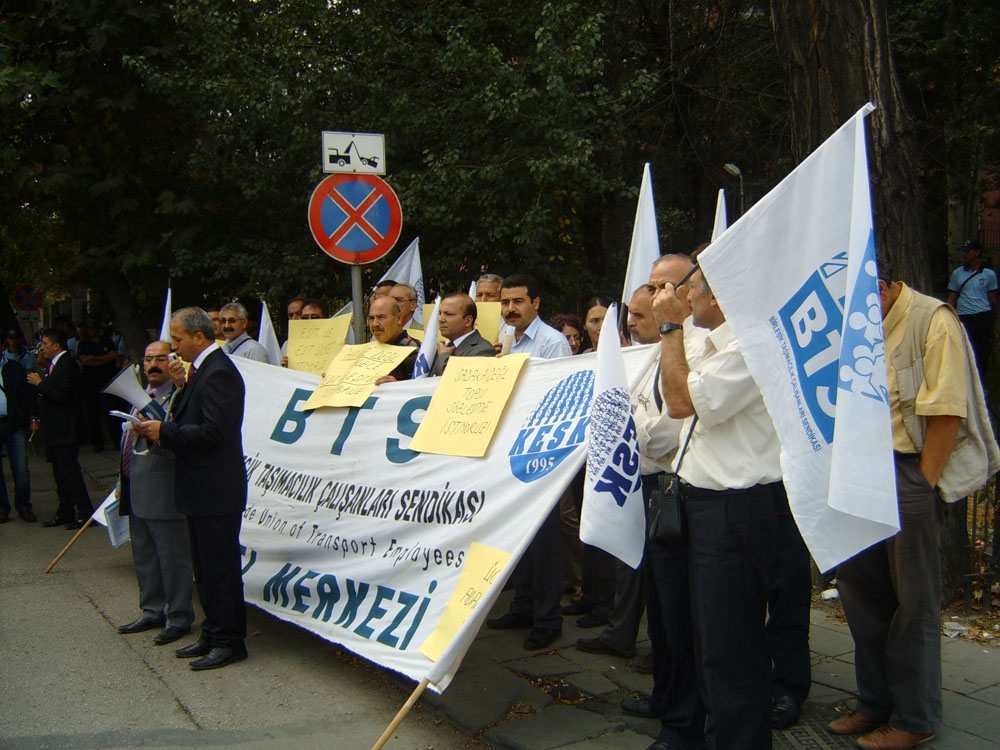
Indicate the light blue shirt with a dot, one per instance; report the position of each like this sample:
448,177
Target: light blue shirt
540,340
974,297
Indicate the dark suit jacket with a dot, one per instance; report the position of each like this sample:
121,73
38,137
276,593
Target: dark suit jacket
206,438
59,402
22,404
472,345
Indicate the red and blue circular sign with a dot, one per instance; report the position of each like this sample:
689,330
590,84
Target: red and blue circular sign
26,297
355,218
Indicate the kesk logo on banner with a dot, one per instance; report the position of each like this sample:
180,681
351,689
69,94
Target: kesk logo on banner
796,279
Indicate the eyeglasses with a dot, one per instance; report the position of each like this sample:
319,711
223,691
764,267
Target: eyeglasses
156,358
230,320
312,316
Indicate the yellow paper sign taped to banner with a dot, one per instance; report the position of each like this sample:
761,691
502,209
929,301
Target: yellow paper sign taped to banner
488,320
313,343
350,377
466,407
480,571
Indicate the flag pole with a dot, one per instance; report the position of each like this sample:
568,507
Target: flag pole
70,544
401,714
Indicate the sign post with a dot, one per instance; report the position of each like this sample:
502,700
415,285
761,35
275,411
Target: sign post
356,219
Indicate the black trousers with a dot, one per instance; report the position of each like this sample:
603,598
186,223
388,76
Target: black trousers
218,571
730,555
980,330
70,486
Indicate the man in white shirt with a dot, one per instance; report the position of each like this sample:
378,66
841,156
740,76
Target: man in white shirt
729,473
233,317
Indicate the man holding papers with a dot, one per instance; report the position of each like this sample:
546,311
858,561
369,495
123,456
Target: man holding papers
385,320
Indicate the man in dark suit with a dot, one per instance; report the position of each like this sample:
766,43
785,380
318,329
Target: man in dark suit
59,397
161,551
456,322
210,483
18,414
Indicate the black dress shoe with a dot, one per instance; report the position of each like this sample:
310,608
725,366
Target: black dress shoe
74,525
785,713
660,745
220,656
199,648
140,625
509,621
576,608
640,707
170,634
4,516
597,646
58,521
540,638
592,620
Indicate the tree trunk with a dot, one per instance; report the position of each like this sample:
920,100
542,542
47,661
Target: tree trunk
127,317
836,57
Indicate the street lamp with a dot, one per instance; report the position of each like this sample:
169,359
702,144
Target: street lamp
735,171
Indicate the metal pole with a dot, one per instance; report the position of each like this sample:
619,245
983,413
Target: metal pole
357,304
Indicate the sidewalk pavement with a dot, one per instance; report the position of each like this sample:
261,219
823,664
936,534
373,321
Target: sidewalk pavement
69,680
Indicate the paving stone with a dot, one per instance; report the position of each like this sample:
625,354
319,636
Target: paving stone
968,666
556,726
612,741
544,665
592,683
834,673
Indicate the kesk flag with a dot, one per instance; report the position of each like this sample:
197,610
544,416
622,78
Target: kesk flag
720,216
796,278
612,516
429,346
268,338
645,247
167,315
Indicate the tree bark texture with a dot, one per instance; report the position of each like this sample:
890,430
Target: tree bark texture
836,57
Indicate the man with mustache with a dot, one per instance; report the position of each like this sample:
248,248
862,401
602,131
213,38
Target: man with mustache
161,551
538,577
234,328
385,321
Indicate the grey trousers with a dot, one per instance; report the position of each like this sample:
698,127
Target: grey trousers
161,553
892,598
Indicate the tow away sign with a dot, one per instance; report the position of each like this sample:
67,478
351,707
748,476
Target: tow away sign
357,153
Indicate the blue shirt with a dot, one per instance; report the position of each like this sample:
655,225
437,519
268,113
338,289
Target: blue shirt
975,294
541,340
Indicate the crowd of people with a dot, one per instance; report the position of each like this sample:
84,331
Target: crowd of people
727,610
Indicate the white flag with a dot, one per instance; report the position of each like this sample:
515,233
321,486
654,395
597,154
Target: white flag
472,289
407,270
796,278
167,314
612,516
267,338
720,216
117,526
428,349
645,248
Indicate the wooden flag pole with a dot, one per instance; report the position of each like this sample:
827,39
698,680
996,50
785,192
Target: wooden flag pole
71,543
398,719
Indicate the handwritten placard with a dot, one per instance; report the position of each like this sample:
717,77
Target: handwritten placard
466,407
313,343
350,377
480,571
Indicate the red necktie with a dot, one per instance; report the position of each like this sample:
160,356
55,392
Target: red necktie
191,372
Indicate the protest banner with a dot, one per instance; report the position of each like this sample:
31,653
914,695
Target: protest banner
352,535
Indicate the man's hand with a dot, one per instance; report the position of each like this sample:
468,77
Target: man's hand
670,304
34,378
443,348
175,369
35,426
385,379
148,428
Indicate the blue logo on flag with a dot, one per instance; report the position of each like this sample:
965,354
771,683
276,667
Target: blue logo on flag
613,461
862,363
556,426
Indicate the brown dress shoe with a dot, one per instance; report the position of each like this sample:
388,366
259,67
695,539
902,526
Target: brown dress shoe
890,738
854,723
27,515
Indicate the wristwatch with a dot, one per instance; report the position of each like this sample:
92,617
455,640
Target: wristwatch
667,327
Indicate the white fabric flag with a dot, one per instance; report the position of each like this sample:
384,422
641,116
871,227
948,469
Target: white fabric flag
612,516
472,289
407,269
645,247
268,338
721,222
796,278
167,315
428,349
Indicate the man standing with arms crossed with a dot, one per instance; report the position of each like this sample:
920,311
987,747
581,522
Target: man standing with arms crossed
210,483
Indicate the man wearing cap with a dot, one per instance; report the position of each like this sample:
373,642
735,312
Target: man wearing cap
16,351
972,291
18,414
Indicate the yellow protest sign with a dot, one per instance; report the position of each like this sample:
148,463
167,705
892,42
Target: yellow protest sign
350,377
488,320
466,407
480,571
313,343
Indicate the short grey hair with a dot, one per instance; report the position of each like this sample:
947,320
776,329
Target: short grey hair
194,319
241,311
490,278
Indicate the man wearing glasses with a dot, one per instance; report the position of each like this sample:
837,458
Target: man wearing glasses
233,317
161,551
